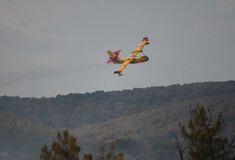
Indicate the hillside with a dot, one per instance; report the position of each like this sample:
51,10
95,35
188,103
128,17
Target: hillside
143,122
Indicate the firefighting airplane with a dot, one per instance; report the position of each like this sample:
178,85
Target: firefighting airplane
133,58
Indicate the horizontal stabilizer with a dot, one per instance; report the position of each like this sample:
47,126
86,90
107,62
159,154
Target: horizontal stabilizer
112,55
110,60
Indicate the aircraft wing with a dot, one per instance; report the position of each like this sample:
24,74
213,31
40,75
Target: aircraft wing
120,69
140,46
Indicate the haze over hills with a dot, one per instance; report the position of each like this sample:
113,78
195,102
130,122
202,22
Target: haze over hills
142,121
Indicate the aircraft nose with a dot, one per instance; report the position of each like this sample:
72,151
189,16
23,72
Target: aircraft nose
145,57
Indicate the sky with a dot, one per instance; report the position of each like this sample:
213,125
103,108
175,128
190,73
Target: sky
59,46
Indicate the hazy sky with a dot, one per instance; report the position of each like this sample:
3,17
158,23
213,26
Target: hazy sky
59,46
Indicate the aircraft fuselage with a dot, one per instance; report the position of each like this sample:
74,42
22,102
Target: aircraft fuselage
134,59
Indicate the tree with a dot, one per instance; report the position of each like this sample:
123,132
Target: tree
65,148
110,153
204,138
179,147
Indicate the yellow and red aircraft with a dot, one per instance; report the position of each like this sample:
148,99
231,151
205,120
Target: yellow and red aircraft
133,58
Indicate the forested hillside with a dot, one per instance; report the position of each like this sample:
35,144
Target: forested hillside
143,122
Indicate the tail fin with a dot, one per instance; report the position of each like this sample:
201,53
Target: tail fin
112,56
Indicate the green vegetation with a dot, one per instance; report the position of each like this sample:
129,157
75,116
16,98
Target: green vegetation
66,148
204,138
109,153
142,122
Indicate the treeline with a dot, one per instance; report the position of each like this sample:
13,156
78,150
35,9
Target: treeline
75,110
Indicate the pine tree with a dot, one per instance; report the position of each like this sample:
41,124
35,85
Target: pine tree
65,148
204,138
109,154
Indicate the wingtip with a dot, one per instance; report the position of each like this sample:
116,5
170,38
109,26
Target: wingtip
145,39
119,73
115,72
